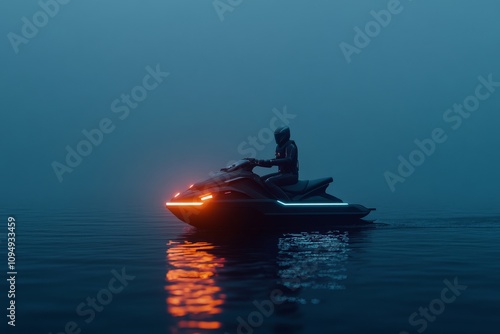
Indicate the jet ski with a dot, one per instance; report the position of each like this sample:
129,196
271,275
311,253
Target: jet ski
237,198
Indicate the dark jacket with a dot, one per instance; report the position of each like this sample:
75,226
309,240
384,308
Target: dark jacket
287,158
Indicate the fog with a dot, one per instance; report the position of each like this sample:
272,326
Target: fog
357,81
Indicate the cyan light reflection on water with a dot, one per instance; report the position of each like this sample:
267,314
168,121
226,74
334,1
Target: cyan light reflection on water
313,260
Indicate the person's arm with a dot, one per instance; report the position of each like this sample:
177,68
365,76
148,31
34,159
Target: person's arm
290,157
265,163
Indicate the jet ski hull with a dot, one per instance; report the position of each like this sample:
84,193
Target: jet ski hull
269,214
237,198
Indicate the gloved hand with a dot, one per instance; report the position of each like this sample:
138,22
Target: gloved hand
252,160
264,163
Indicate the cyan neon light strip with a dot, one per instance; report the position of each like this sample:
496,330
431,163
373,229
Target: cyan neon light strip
313,204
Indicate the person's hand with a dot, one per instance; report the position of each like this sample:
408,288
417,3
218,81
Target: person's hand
252,160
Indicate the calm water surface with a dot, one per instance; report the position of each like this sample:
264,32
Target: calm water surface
139,270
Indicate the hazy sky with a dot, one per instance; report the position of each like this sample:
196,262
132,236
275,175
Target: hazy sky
355,101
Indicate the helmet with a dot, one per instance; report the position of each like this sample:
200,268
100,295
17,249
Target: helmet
282,135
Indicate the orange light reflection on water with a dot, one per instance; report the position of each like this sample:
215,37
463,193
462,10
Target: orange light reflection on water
193,295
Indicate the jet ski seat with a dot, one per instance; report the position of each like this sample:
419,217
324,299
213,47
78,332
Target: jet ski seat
304,186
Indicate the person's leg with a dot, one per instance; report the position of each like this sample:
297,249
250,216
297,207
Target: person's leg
274,183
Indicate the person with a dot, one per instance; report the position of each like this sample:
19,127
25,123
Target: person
287,160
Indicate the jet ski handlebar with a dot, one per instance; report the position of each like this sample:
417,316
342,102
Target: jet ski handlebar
247,164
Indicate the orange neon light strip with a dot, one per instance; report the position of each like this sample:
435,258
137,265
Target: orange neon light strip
204,198
184,203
